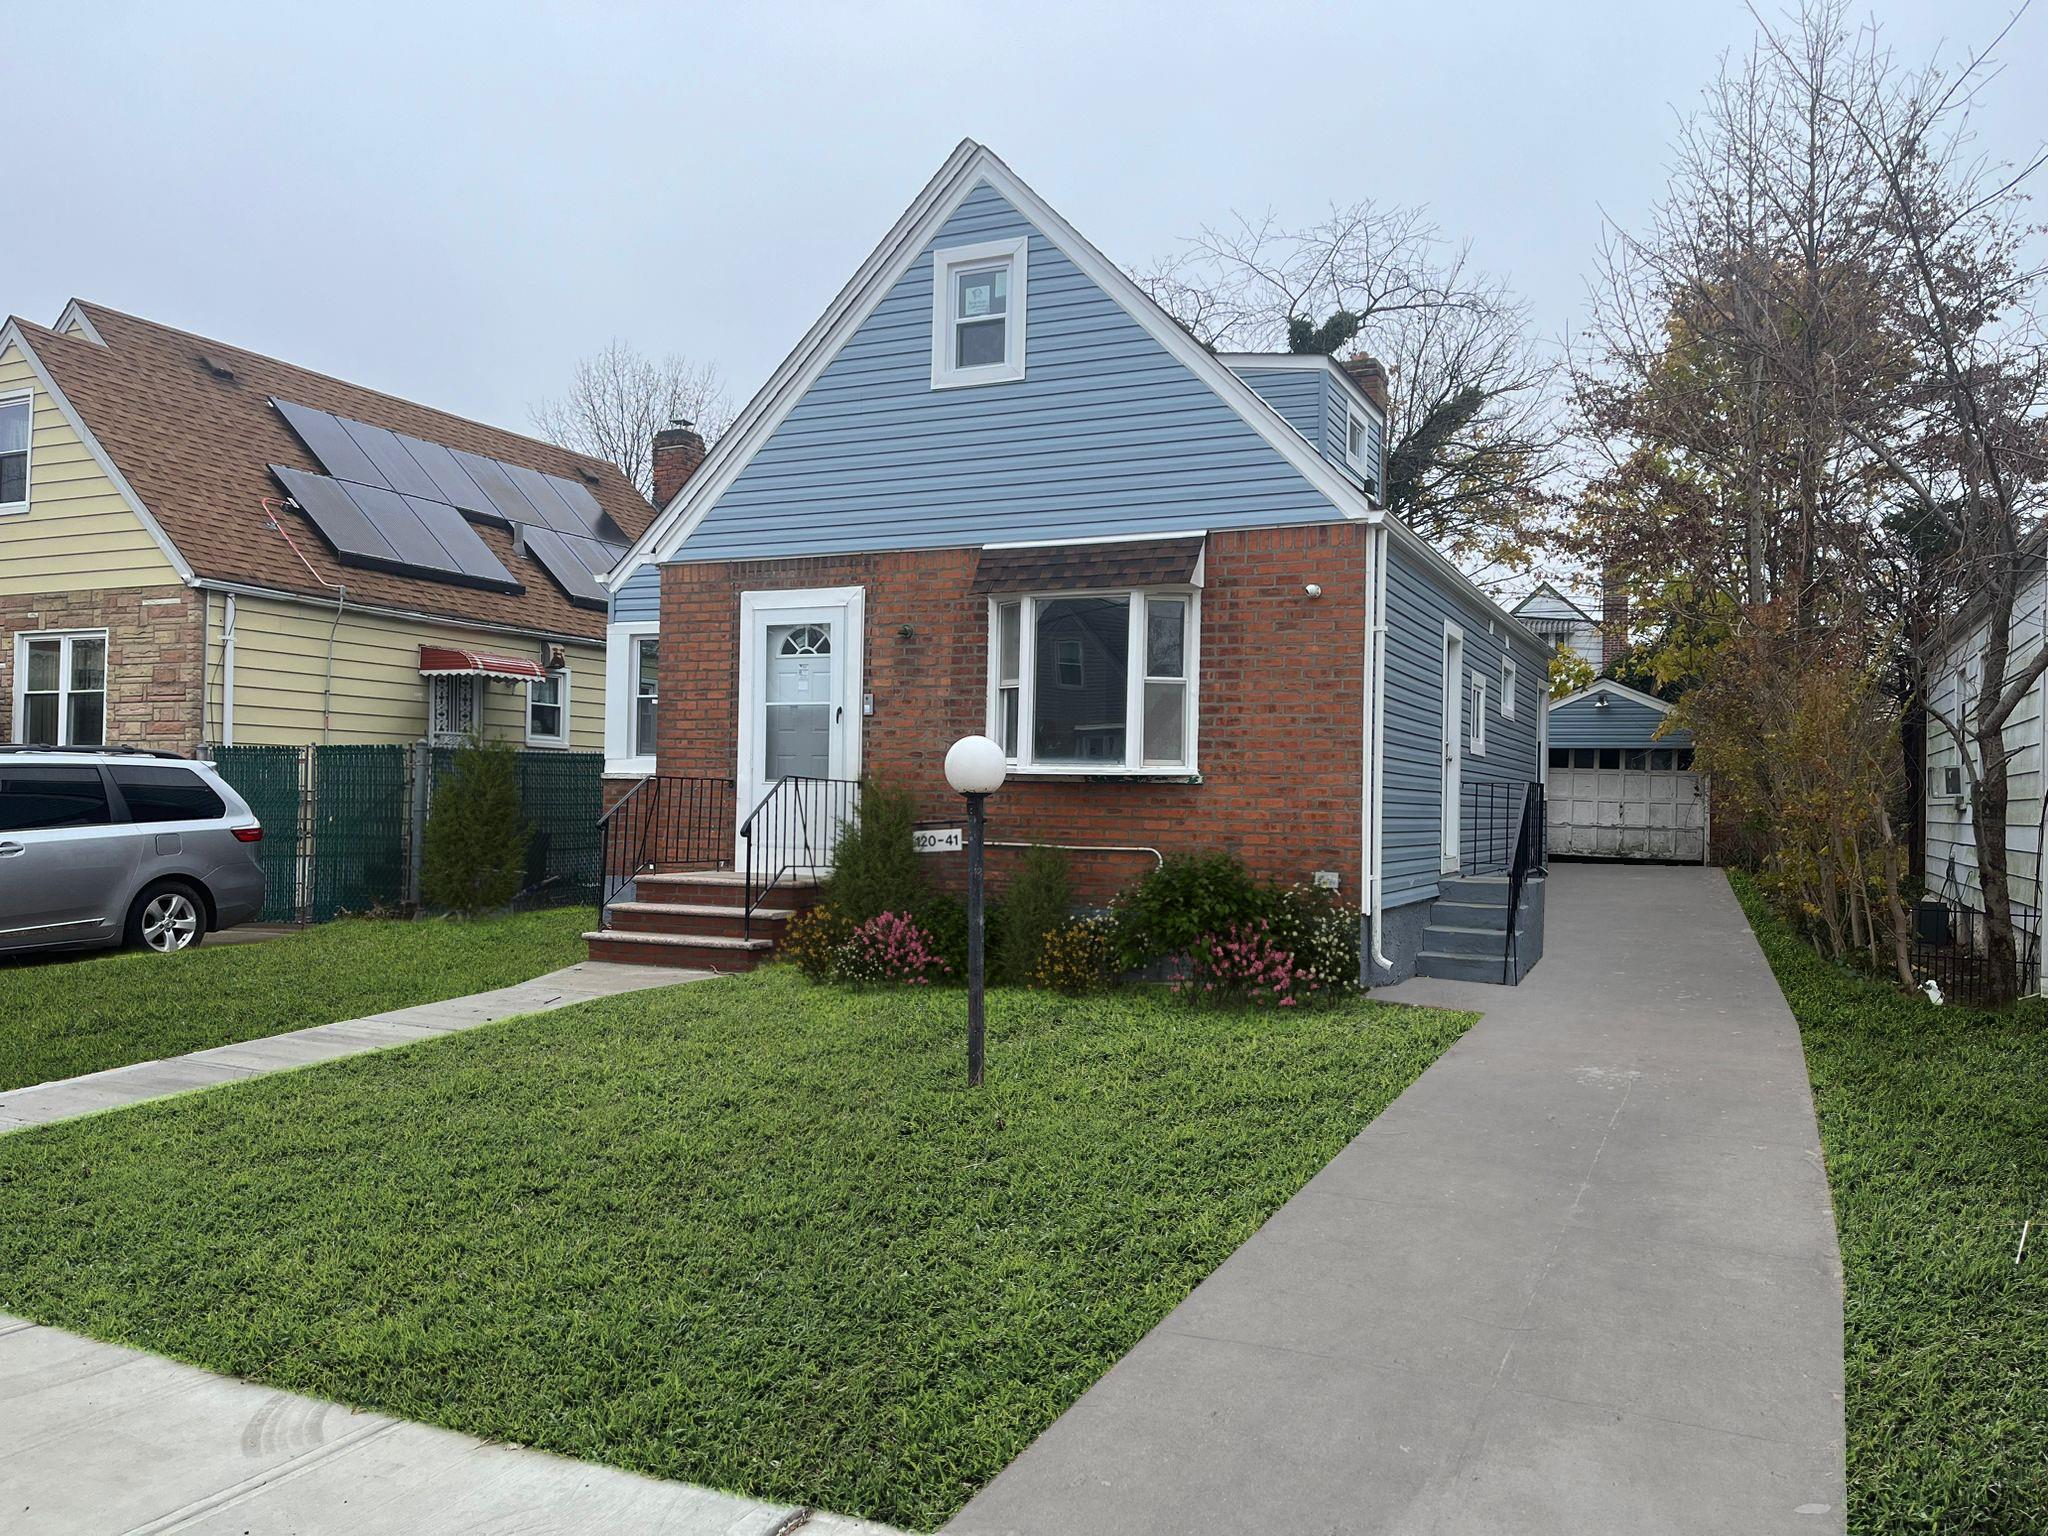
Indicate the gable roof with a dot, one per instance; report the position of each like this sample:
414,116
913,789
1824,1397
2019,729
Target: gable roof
971,165
193,451
1545,589
1608,685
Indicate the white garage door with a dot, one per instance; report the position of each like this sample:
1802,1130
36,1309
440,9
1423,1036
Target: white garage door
1619,803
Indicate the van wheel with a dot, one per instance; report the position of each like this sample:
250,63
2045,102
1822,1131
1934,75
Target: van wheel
166,918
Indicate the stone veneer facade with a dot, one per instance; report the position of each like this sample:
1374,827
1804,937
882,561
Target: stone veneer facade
156,658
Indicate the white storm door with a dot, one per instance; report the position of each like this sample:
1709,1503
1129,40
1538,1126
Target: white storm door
799,719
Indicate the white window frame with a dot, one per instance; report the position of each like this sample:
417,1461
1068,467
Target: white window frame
1510,679
1477,742
1134,765
621,697
1355,425
68,637
560,676
946,265
28,458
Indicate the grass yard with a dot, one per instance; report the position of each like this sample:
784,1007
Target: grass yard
63,1016
1935,1125
751,1233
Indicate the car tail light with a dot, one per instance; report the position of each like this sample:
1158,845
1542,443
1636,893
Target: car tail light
249,834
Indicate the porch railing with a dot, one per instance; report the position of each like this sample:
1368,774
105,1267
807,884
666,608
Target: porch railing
1530,857
665,821
793,829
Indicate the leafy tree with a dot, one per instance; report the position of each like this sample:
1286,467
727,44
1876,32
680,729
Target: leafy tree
474,859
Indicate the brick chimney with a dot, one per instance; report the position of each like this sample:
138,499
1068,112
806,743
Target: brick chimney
1613,617
678,450
1371,377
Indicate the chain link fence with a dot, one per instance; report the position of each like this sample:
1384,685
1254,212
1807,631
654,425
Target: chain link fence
344,826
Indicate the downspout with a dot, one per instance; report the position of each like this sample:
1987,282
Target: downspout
1375,737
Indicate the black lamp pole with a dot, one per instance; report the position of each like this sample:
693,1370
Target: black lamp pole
975,1028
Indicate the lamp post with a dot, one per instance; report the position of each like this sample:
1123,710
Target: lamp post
974,767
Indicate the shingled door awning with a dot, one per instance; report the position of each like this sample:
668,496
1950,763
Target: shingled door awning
447,661
1167,562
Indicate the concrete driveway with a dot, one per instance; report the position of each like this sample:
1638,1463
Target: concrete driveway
1580,1278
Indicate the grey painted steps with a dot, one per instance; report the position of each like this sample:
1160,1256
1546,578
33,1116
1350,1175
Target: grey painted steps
1457,914
1451,940
1459,967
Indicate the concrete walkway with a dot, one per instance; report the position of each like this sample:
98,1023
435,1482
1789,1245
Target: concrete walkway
99,1439
116,1086
1581,1278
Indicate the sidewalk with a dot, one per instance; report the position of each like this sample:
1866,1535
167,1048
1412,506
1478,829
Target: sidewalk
97,1440
1580,1278
45,1102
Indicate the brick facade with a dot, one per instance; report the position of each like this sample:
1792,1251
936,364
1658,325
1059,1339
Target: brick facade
1280,702
156,657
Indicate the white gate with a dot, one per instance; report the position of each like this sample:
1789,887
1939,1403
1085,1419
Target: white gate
1628,812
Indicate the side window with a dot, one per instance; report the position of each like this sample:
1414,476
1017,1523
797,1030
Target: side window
166,794
1509,678
36,797
14,434
1478,721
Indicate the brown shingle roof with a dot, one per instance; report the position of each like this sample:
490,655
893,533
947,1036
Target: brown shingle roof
197,450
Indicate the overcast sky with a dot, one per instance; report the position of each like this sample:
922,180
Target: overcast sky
454,203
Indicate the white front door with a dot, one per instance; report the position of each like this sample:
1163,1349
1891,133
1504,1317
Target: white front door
1453,746
800,695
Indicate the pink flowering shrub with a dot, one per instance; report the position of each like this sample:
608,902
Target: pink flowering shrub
891,947
1246,963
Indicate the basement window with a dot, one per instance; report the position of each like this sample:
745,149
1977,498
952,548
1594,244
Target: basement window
1095,682
978,314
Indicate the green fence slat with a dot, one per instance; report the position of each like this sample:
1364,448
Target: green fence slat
360,810
269,779
562,796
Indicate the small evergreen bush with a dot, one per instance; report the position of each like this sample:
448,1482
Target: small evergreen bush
875,867
1037,903
1182,902
474,859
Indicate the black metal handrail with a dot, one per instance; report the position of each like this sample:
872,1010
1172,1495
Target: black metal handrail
1531,855
794,826
1489,822
666,820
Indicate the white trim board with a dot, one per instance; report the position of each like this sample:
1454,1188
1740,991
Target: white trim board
1620,690
1320,362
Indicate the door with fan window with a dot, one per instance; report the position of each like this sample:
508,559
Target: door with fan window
799,738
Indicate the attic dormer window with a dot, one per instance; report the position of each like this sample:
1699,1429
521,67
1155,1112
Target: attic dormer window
978,314
14,434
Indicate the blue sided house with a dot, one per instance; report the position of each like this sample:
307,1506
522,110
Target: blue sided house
1621,779
996,490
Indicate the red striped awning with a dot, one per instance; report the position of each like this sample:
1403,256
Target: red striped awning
447,661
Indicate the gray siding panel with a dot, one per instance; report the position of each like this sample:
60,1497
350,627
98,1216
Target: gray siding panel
639,598
1412,803
1107,433
1623,723
1297,394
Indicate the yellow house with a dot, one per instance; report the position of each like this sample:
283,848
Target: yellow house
201,545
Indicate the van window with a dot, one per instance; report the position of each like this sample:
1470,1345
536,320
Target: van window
166,794
36,796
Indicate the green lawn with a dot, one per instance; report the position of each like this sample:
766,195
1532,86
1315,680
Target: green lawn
1935,1125
61,1016
751,1233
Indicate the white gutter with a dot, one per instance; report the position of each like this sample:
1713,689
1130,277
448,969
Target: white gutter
1375,734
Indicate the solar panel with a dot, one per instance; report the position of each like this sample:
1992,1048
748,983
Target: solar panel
546,500
400,470
323,434
596,519
341,522
560,561
597,555
451,479
492,480
470,554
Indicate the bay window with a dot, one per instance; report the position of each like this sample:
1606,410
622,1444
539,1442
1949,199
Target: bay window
1094,682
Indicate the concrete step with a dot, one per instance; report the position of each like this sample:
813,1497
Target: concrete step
1459,967
690,917
1456,914
1445,940
703,952
1474,890
718,888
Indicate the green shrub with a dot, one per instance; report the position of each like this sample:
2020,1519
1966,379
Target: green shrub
1075,957
474,859
1037,903
1322,935
1182,901
875,866
812,939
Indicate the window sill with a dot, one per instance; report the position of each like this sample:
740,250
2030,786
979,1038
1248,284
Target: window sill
1102,776
1003,373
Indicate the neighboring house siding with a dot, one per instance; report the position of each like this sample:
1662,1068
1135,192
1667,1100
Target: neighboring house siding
1412,801
1300,396
378,696
1951,836
639,599
1623,723
1107,433
78,533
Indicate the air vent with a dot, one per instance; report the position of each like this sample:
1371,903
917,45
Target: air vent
217,368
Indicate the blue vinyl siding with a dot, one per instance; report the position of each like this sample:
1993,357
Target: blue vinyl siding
1623,723
640,598
1107,433
1300,396
1412,802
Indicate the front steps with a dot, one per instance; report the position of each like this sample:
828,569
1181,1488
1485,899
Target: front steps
1467,936
696,918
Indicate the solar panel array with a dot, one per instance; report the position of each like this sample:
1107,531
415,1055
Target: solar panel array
391,501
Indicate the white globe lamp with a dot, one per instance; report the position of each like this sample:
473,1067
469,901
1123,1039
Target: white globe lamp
974,767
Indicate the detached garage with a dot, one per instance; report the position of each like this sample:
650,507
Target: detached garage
1616,789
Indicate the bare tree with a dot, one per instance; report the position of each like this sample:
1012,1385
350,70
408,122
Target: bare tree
620,398
1471,429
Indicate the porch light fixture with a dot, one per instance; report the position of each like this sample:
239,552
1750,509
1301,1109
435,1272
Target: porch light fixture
974,767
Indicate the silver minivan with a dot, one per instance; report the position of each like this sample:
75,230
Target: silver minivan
121,847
